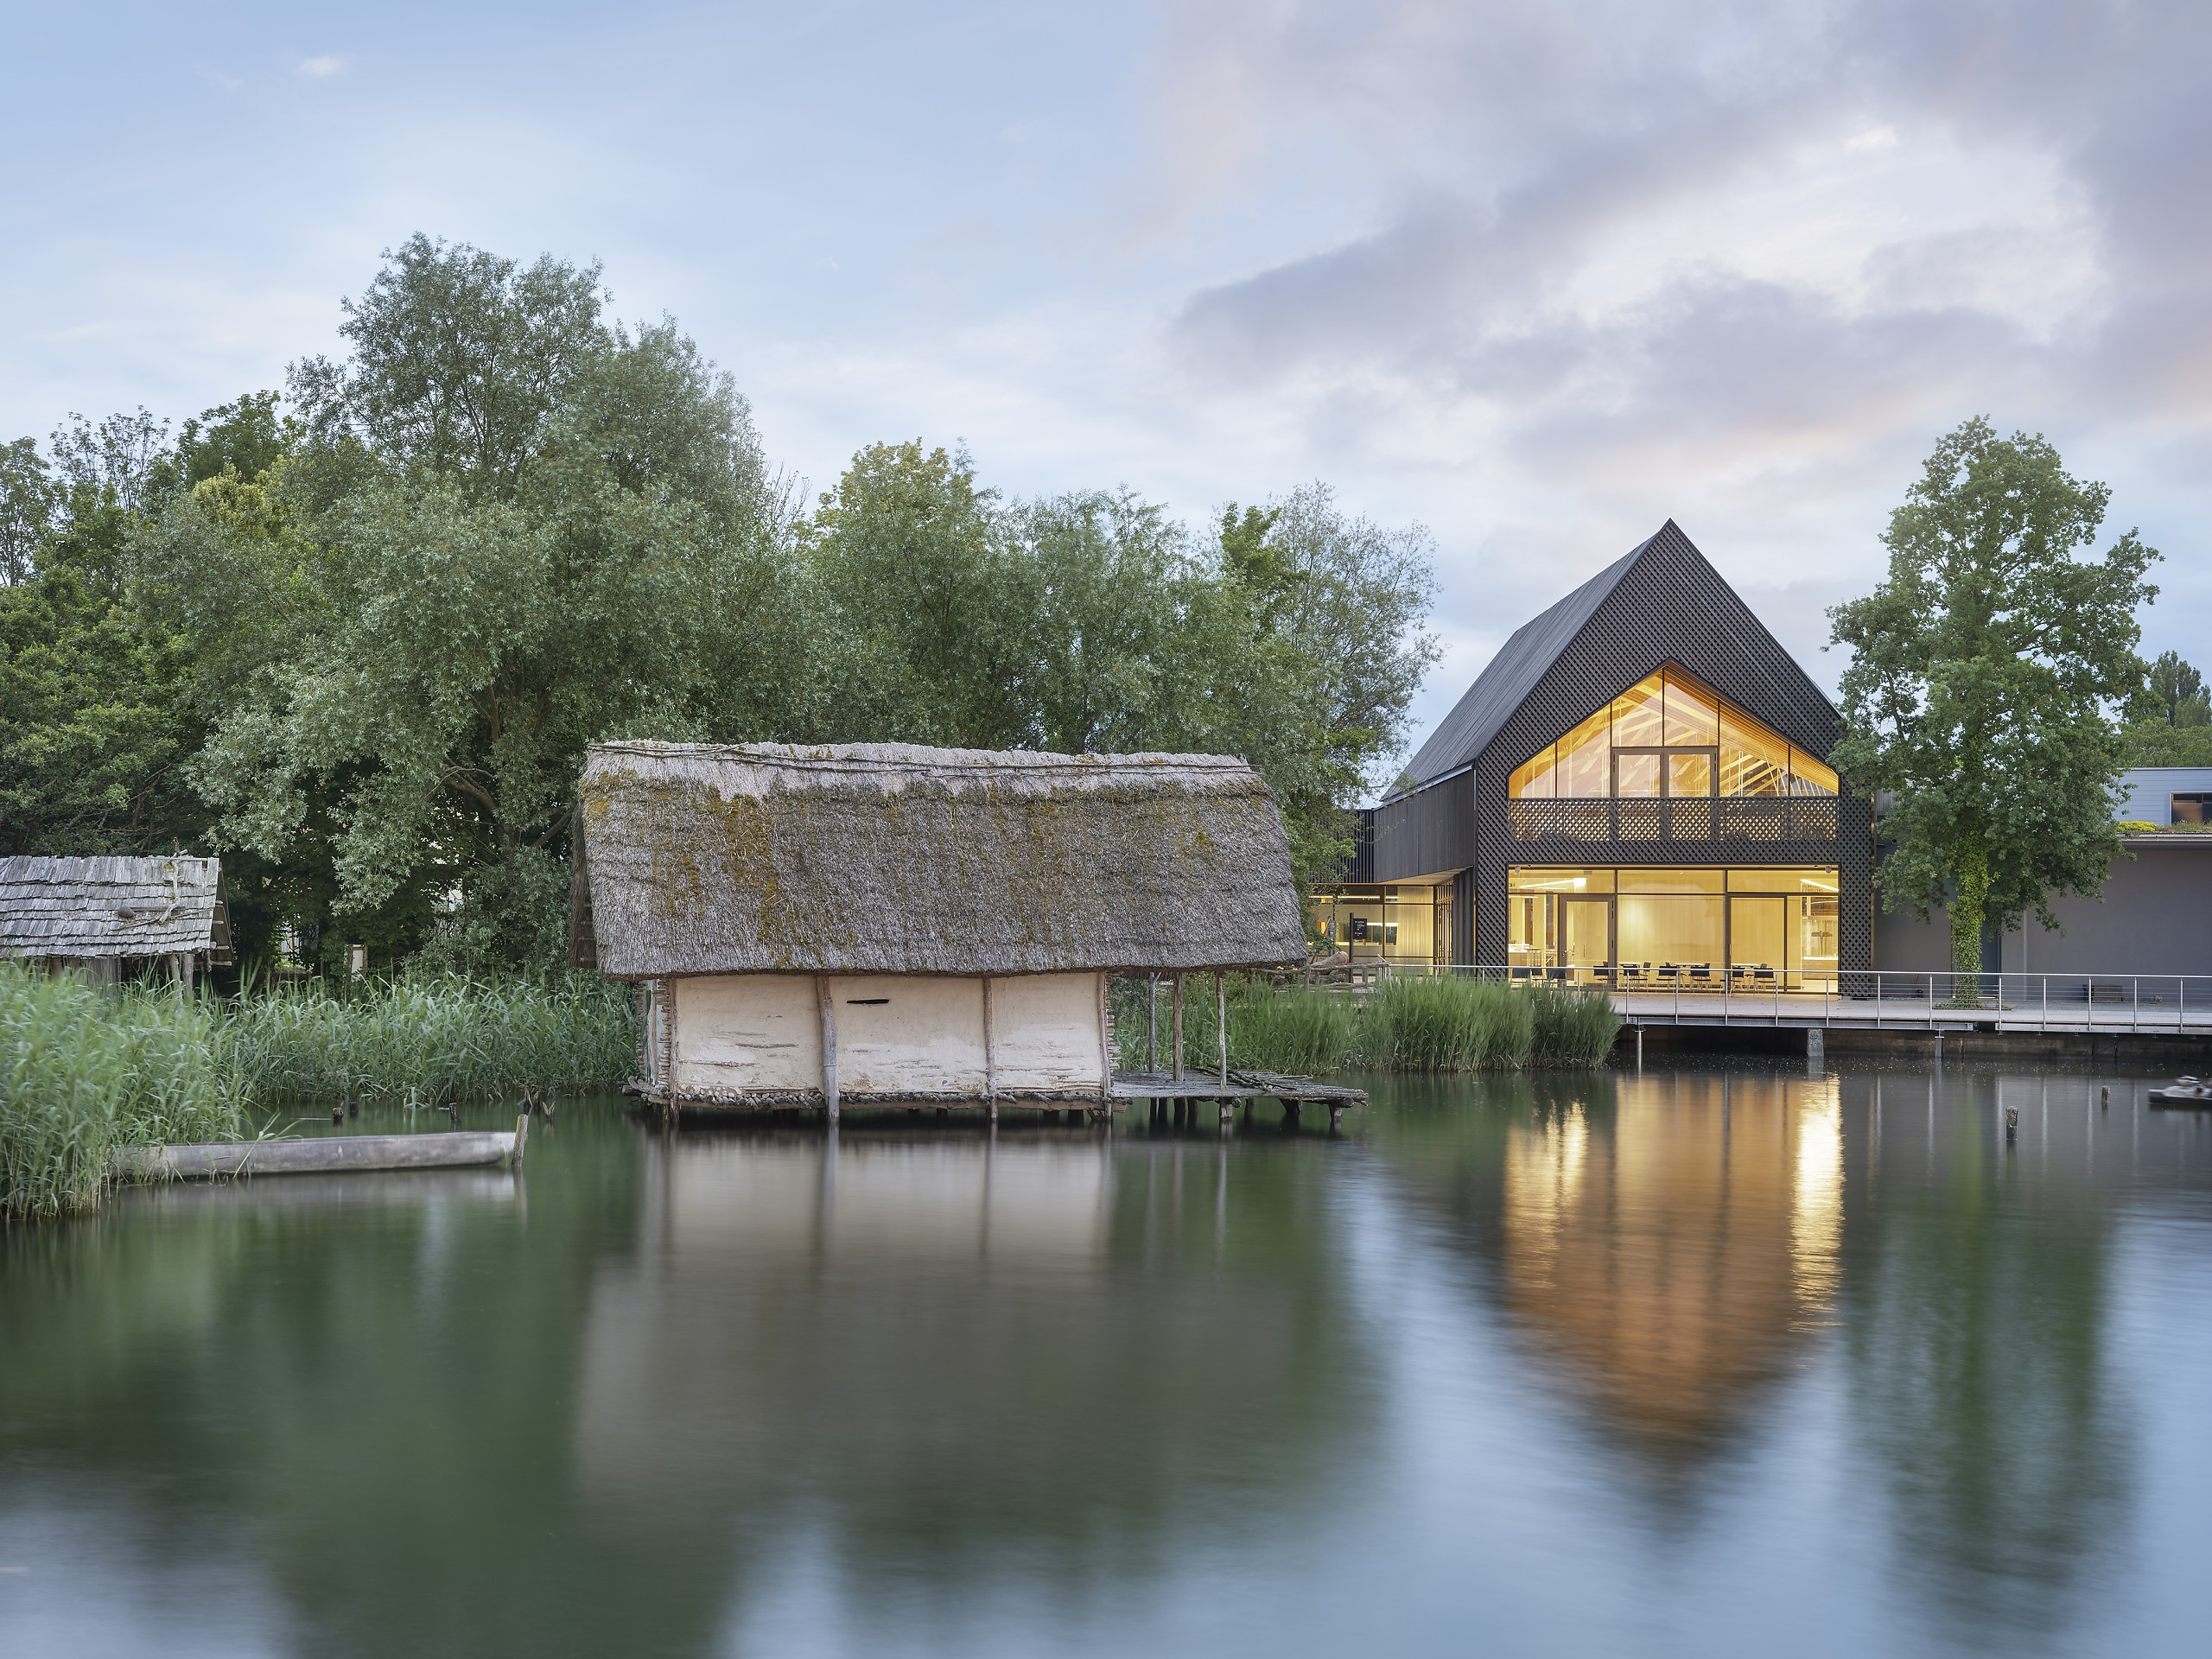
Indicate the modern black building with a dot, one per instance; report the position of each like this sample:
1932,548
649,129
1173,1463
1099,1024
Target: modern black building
1637,787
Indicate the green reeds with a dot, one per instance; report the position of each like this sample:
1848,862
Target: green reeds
1301,1029
1447,1022
427,1041
1575,1025
84,1074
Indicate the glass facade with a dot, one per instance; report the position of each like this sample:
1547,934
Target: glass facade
1668,737
1745,928
1407,922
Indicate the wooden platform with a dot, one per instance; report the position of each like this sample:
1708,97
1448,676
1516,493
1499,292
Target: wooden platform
1160,1089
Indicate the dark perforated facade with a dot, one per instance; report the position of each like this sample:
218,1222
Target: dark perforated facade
1665,605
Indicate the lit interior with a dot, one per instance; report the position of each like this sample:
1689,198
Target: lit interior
1670,736
1745,929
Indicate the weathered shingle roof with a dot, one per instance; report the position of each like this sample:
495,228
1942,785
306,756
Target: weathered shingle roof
885,858
107,907
1505,683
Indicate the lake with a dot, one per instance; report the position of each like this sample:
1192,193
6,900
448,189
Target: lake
1713,1359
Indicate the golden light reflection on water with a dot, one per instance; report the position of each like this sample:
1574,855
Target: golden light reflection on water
1670,1254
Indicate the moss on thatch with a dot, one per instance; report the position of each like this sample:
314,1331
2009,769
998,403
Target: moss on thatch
884,858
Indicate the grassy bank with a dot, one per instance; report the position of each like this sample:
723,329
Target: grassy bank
1451,1022
85,1075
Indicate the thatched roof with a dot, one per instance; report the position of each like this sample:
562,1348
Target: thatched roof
109,906
885,858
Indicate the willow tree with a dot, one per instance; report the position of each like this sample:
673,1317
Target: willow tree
1979,696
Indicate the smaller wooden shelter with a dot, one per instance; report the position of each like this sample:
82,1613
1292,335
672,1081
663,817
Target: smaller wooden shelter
98,915
875,924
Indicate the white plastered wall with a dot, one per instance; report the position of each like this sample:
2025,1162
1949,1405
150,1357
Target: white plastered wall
896,1034
747,1031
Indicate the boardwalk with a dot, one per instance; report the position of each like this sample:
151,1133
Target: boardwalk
2100,1004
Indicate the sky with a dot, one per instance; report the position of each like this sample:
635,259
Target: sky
1538,276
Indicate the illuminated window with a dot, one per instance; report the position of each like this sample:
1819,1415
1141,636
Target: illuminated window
1669,736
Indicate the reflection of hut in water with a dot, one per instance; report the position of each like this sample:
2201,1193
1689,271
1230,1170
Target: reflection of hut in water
876,923
102,916
1672,1258
940,1347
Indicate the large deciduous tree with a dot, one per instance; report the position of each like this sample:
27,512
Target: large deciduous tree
513,527
1983,673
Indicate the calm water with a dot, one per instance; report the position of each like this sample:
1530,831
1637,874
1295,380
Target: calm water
1699,1362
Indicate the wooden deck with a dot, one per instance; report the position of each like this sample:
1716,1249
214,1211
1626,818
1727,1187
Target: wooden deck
1168,1096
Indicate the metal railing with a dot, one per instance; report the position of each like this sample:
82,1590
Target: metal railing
1751,994
1759,820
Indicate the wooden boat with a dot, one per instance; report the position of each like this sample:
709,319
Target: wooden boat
2185,1092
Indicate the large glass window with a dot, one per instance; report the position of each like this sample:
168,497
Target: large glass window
1744,929
1405,922
1668,735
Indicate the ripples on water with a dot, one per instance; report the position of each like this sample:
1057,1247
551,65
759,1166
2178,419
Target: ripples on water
1696,1362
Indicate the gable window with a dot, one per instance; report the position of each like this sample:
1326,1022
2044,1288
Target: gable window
1670,737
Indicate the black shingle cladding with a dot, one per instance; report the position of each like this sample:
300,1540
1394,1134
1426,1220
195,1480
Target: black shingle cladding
1663,602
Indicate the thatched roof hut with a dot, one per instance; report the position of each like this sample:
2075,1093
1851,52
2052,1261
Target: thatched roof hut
885,858
111,908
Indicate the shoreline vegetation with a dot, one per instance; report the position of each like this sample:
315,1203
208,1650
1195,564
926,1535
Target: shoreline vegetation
86,1076
1447,1022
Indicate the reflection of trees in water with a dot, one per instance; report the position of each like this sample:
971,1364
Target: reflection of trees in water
440,1424
1664,1242
1975,1306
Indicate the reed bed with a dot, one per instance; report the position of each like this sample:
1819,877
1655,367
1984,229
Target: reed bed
83,1075
1449,1022
428,1039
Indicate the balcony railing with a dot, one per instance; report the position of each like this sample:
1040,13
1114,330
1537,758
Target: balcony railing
1750,819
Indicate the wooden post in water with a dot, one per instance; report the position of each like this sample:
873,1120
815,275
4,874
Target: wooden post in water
1177,1014
828,1046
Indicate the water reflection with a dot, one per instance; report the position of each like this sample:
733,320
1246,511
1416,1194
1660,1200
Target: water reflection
1607,1363
1664,1244
1978,1305
940,1348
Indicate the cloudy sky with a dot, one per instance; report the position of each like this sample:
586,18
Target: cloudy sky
1537,274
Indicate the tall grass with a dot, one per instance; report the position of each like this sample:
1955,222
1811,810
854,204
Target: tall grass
1449,1022
83,1075
1575,1025
427,1039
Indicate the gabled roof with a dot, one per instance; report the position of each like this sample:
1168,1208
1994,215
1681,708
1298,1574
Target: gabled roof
108,906
887,858
1505,684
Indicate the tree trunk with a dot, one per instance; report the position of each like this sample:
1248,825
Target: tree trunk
1968,909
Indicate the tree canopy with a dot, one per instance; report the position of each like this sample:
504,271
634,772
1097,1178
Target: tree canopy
1985,671
357,637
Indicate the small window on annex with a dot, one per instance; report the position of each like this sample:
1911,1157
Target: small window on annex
1670,736
1698,929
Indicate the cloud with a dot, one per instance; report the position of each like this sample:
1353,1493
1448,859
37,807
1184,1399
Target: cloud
321,68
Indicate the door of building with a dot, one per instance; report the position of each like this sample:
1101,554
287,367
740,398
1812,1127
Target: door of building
1586,936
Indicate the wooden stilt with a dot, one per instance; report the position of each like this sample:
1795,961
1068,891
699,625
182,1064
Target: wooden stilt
828,1047
1176,992
990,1060
1151,1023
1221,1021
